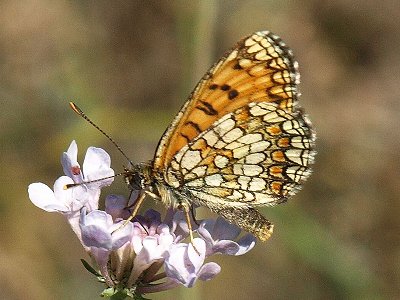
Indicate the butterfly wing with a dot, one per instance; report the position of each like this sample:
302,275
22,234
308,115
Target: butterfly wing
241,140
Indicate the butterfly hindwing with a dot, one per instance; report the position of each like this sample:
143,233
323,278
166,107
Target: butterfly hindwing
256,155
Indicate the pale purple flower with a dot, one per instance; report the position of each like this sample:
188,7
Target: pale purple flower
151,242
148,254
69,201
73,199
136,254
99,230
185,265
96,165
60,200
219,236
116,206
101,236
65,201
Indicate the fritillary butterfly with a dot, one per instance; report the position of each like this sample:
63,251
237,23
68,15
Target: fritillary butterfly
239,142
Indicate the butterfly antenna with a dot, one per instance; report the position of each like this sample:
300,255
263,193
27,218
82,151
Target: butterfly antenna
70,185
76,109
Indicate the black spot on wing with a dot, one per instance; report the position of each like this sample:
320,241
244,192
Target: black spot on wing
232,94
225,87
207,108
194,125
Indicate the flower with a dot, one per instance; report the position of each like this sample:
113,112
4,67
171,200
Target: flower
139,249
58,201
185,265
70,201
145,255
101,236
96,165
220,236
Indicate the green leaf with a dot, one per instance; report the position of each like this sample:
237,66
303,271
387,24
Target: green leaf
90,268
121,294
109,292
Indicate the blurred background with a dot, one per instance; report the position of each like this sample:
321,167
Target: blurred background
131,64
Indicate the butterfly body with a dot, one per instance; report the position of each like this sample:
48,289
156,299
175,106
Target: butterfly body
239,142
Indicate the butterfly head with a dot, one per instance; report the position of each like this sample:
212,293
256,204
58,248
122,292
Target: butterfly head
137,177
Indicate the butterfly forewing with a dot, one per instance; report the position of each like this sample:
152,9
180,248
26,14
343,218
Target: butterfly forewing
259,69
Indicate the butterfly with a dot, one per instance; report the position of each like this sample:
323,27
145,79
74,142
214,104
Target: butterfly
241,141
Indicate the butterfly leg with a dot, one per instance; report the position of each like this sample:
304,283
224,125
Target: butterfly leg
192,209
186,209
137,205
135,210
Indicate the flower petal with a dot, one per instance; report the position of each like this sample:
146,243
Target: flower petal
69,161
121,233
204,233
136,242
183,262
99,218
175,266
246,243
115,206
226,247
149,250
197,257
205,229
94,236
223,230
219,236
95,228
74,198
43,197
165,241
72,152
209,271
179,226
96,165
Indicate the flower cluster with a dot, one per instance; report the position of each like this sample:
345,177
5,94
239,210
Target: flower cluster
148,254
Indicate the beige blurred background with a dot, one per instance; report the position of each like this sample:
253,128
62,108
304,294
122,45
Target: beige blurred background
131,64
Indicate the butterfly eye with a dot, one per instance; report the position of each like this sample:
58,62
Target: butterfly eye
133,180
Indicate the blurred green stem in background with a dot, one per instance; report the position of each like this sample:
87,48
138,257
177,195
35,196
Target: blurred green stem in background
329,256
